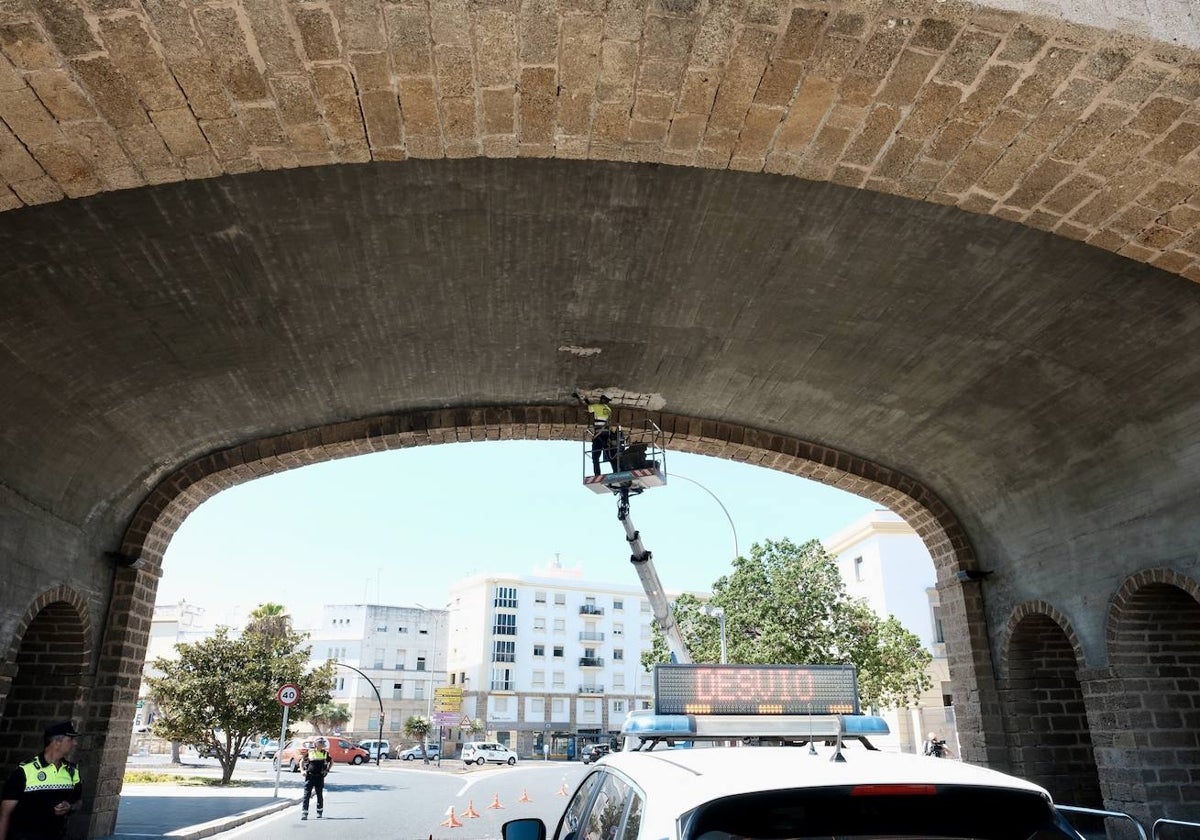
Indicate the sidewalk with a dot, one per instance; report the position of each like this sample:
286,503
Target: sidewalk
189,812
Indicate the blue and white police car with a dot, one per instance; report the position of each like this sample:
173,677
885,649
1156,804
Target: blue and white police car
805,768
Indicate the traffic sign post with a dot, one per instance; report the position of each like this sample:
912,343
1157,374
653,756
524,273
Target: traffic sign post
288,695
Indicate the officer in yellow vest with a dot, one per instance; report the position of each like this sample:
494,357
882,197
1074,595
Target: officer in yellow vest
38,797
316,768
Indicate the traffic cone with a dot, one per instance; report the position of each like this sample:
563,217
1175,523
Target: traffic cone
451,821
496,802
562,790
524,796
471,813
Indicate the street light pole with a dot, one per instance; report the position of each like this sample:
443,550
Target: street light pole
719,612
709,609
379,745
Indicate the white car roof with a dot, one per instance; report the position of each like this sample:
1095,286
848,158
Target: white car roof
677,780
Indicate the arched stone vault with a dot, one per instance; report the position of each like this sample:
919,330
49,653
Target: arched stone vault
847,223
1075,123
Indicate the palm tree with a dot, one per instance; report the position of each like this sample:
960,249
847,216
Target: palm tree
270,620
328,716
419,726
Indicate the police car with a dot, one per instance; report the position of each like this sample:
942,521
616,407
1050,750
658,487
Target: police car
811,775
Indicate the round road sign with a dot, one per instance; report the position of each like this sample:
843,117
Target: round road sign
288,694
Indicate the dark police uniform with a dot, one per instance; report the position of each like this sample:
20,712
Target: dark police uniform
38,786
316,767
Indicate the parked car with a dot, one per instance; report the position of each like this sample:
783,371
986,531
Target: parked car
270,748
595,752
206,750
483,752
253,749
373,747
340,750
431,750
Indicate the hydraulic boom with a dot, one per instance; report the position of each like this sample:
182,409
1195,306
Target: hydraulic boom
641,560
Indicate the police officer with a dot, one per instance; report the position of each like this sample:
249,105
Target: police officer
316,768
38,797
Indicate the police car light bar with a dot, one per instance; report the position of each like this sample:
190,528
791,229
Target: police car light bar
707,689
650,726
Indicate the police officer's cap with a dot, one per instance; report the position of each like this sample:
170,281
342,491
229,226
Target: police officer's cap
62,727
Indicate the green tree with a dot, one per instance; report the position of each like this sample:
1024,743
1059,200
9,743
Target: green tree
328,716
270,619
419,727
221,691
787,605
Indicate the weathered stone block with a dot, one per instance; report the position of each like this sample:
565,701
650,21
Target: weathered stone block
181,132
881,122
25,46
381,112
499,111
409,40
27,118
968,57
109,90
537,103
316,33
418,106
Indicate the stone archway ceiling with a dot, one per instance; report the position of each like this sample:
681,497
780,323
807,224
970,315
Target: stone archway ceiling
1047,121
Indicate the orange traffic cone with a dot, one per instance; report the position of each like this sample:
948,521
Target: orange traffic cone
524,796
451,821
562,790
496,802
471,813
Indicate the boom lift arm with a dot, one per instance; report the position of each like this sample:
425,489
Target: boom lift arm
659,604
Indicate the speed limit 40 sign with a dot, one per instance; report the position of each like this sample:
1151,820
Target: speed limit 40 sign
288,694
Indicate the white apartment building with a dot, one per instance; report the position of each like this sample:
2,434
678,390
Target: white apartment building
549,658
399,651
884,562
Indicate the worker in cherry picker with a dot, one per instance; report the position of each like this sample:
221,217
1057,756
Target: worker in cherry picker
605,441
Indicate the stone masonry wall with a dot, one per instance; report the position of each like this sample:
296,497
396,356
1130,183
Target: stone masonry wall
1089,133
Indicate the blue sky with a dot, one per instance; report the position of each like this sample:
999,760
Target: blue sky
399,527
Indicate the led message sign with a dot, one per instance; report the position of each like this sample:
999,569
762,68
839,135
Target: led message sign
755,690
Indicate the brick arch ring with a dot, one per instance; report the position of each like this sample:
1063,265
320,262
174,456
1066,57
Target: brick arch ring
57,595
164,510
1135,583
1029,609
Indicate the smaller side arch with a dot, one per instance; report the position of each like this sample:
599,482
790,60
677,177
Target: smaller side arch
1045,715
44,670
1149,750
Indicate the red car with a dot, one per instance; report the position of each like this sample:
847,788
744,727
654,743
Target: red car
292,755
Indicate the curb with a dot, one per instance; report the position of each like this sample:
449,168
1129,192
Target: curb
208,829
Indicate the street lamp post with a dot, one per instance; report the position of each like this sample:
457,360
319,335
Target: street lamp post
709,609
379,743
719,612
432,668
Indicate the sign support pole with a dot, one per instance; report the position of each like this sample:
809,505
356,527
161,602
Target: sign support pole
279,750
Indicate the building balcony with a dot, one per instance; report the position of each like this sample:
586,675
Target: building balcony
504,685
504,657
591,662
591,689
591,609
590,636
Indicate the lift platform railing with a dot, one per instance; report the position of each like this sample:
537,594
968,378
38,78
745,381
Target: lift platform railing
633,455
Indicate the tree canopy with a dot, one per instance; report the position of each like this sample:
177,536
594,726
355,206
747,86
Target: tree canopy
328,717
221,691
787,605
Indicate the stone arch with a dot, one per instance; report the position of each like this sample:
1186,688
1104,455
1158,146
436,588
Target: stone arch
1054,121
1151,726
1049,740
176,496
44,671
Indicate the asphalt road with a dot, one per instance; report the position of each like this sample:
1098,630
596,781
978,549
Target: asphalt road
408,801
